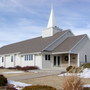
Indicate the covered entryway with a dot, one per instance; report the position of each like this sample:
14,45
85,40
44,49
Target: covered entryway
65,60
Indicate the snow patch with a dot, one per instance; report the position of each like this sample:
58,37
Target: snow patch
12,72
18,85
86,85
84,74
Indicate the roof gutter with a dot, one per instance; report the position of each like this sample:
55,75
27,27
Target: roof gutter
10,53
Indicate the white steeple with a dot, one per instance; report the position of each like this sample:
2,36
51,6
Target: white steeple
51,27
52,21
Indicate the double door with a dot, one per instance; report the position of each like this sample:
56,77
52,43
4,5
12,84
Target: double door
56,61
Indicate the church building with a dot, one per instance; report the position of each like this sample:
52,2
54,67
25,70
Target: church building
55,48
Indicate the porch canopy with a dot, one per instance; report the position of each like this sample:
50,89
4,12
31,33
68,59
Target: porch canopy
67,58
68,48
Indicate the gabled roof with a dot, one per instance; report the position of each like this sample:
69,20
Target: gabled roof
69,43
31,45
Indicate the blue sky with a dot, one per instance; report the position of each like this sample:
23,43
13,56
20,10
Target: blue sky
24,19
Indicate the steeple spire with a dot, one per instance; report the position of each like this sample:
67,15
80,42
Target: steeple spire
51,27
52,21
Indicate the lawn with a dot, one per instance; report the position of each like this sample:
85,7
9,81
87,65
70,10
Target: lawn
54,81
6,73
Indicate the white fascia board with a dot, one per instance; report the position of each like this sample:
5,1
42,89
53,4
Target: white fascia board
10,53
31,53
64,52
60,52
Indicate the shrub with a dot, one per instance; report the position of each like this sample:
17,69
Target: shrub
10,87
1,67
39,87
68,68
11,68
18,67
86,65
3,80
72,83
73,69
86,88
24,68
29,68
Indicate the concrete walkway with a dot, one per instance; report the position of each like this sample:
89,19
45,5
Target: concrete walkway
38,74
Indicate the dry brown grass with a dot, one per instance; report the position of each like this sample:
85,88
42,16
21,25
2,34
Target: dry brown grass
39,87
2,71
54,81
72,83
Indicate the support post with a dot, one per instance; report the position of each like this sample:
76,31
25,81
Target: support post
78,60
69,59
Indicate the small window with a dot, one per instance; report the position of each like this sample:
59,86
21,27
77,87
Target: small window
47,57
28,57
2,59
12,58
85,58
25,58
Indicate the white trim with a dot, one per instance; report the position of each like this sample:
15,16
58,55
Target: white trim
64,52
60,52
69,59
55,40
31,53
78,60
78,42
10,53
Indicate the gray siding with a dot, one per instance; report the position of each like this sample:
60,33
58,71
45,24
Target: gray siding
80,45
83,48
85,51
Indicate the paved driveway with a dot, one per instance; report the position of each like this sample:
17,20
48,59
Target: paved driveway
37,74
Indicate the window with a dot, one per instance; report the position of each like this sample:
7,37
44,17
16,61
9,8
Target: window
28,57
2,59
12,58
25,58
85,58
47,57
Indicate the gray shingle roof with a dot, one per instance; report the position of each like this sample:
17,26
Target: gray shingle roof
68,44
31,45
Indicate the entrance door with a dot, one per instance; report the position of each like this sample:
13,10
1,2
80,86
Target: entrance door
56,60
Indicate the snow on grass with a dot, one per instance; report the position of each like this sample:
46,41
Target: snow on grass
86,85
18,85
12,72
84,74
